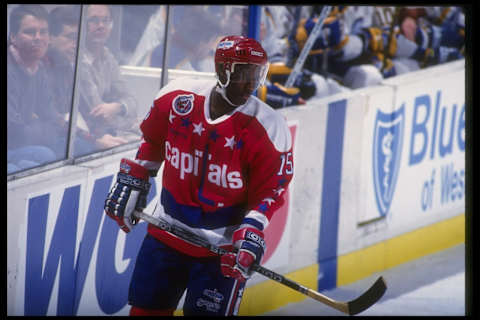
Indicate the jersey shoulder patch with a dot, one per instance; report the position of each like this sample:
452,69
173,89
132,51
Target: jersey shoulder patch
182,104
179,95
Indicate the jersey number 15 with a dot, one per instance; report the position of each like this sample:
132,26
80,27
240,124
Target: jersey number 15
287,164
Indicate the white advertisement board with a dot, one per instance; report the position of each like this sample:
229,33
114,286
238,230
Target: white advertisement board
69,258
414,152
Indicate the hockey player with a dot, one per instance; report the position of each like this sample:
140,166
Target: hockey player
365,55
227,162
310,83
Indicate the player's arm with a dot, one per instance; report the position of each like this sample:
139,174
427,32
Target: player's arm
271,171
131,189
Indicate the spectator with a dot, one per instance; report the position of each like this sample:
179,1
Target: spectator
105,101
63,22
32,122
60,60
438,34
188,49
61,54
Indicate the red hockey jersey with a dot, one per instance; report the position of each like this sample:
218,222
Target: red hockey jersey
218,174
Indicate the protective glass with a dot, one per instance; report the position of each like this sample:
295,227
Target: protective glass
249,73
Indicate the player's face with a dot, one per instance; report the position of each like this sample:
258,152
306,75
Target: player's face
32,38
244,80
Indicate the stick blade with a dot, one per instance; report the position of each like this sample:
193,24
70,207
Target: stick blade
370,297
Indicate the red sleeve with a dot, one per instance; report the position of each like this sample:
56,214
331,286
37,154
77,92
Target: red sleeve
270,173
154,129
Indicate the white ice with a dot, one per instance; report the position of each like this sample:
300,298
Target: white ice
433,285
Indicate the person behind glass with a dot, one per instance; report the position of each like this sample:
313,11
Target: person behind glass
32,122
63,23
60,61
227,163
106,103
61,54
189,49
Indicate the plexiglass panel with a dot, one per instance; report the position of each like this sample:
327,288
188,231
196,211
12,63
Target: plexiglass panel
41,55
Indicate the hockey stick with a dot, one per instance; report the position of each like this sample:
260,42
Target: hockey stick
363,302
308,45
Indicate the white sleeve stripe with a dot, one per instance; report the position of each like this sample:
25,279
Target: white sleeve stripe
150,165
258,216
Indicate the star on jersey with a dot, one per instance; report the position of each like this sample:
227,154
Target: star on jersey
230,142
278,191
214,135
198,128
262,208
239,144
269,201
185,122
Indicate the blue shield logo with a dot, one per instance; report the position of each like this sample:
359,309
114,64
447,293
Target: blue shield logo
387,150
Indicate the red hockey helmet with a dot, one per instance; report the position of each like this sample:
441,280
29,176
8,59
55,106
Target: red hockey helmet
235,50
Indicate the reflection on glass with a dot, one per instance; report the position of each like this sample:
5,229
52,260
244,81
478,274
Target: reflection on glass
150,36
34,125
61,57
194,33
107,108
117,76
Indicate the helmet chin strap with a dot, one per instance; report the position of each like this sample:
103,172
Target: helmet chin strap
224,96
221,89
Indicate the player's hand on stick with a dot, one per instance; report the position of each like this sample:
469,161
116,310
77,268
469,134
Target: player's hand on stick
251,247
128,194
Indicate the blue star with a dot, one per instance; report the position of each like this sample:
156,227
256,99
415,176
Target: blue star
240,144
185,122
263,207
214,135
282,182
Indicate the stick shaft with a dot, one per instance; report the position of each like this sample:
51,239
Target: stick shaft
188,236
193,238
308,45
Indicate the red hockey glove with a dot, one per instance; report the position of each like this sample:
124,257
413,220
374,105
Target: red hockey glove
128,194
251,247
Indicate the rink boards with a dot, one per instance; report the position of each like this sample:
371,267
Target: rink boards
379,180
